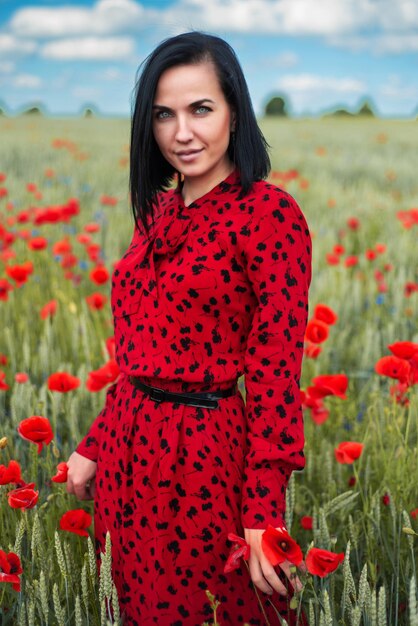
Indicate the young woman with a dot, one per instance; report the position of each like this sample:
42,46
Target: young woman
214,285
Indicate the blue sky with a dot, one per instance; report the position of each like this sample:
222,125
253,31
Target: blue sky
318,53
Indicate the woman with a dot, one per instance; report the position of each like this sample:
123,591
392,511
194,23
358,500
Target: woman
213,285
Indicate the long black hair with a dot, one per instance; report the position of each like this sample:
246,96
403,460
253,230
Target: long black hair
150,172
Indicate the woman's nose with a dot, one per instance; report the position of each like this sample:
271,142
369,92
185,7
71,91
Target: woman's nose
183,131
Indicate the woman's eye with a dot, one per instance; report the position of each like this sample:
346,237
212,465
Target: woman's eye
161,115
202,109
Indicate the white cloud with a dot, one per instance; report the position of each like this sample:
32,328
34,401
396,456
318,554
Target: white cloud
89,48
6,67
286,60
396,89
26,81
104,18
302,83
111,73
13,46
86,92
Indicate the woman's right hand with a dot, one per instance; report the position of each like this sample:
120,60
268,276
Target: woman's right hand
81,476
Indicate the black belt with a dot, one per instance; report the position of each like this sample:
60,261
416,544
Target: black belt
206,400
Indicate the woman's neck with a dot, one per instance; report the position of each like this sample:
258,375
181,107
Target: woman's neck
195,187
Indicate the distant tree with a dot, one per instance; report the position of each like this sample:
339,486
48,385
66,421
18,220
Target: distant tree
339,113
88,113
366,110
276,106
32,111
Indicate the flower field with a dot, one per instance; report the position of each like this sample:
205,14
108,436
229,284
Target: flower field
353,512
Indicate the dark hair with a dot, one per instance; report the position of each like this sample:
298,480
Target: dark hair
150,172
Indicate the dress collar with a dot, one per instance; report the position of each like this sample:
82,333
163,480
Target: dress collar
233,179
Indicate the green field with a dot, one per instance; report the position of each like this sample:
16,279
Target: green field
342,169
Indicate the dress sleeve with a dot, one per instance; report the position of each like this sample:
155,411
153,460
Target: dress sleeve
278,257
89,446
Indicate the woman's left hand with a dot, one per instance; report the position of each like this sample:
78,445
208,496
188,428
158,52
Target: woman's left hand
262,571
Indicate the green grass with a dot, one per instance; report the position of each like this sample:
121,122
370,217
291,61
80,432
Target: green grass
361,168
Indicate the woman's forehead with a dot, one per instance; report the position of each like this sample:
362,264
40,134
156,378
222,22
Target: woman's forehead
189,81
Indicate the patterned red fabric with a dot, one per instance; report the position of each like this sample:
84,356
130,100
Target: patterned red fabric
220,289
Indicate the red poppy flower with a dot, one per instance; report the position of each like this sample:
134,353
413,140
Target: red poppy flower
332,259
338,249
393,367
110,347
23,497
61,475
312,351
83,238
322,562
330,384
351,481
62,247
49,309
63,382
278,546
11,473
94,252
380,248
386,499
404,349
351,261
370,254
93,227
96,301
306,522
31,187
76,521
3,385
98,379
20,273
348,451
68,260
316,331
38,243
239,550
325,314
99,275
21,377
3,359
5,287
36,429
353,223
319,413
10,568
414,513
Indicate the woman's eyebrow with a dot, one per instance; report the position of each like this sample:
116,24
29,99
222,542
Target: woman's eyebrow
191,105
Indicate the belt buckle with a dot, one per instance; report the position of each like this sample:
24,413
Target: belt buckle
157,394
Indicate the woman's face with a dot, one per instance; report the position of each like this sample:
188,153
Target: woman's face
192,121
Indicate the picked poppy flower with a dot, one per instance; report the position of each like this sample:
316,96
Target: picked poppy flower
11,473
23,497
76,521
316,331
36,429
312,351
61,475
322,562
63,382
278,546
49,309
99,275
110,347
10,568
96,301
348,451
98,379
330,384
239,550
325,314
306,522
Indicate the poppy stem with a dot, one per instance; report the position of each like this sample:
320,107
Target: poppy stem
258,596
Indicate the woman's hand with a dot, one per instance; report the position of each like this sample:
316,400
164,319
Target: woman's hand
81,476
262,571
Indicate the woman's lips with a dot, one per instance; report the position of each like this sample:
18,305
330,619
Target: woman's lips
188,155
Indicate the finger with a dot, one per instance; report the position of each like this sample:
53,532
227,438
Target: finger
257,576
272,578
81,491
293,577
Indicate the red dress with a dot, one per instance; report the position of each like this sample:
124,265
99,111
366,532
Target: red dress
219,290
